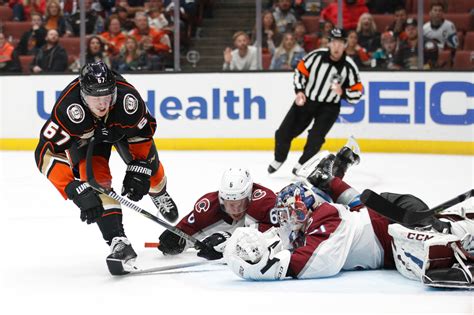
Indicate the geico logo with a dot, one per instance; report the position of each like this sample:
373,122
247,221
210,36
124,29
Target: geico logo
222,104
446,103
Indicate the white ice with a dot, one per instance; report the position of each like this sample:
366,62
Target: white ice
51,263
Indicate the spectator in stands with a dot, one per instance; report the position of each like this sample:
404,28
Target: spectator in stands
54,19
153,42
31,41
132,6
398,25
114,38
271,37
284,15
94,22
355,51
323,42
367,33
156,17
51,57
383,57
23,9
126,23
325,29
131,58
95,52
307,41
442,31
288,54
406,56
351,11
8,59
243,57
430,55
384,6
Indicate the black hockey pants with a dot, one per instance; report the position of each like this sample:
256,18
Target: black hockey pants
297,120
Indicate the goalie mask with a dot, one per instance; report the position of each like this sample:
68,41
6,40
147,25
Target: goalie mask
235,192
291,208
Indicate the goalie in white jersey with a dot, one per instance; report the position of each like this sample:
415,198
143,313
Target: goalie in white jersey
319,239
442,31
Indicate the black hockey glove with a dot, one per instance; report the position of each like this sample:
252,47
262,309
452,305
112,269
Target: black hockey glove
136,183
171,244
86,199
215,245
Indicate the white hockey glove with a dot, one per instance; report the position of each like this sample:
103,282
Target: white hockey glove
253,255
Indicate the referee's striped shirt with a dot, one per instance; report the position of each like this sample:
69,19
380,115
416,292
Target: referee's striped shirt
315,73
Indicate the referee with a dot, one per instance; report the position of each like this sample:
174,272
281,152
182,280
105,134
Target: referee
322,78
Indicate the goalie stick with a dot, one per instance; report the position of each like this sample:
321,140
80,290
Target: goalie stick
403,216
109,192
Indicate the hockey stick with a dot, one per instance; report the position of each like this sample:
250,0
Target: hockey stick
109,192
134,270
404,216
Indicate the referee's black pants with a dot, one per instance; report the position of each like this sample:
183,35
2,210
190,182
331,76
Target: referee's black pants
297,120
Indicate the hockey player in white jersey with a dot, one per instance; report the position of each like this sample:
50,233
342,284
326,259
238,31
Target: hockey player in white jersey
442,31
319,239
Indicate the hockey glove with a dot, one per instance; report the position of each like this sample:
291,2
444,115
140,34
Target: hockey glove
136,183
86,199
171,244
215,245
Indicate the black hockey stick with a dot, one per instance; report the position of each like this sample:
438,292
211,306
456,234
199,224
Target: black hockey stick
109,192
404,216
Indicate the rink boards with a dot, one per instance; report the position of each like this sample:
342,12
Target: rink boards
419,112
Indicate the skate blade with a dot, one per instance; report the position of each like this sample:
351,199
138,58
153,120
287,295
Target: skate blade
118,267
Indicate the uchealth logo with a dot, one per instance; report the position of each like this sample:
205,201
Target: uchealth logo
230,104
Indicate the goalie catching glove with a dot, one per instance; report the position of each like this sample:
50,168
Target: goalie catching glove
86,199
215,245
253,255
136,183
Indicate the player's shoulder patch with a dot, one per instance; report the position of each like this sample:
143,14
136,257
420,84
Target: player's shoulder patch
202,205
130,104
258,194
76,113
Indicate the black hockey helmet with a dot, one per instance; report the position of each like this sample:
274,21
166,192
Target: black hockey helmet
337,33
97,80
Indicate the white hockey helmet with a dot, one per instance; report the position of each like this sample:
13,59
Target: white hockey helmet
236,184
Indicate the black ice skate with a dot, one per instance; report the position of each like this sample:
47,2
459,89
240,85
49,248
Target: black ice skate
274,166
323,173
344,158
121,253
166,206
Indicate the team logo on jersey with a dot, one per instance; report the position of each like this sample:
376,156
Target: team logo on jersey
258,194
130,104
76,113
202,205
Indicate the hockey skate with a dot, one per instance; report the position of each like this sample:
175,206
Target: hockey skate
274,166
166,206
323,173
122,254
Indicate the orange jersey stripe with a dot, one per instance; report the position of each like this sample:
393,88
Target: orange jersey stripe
356,87
302,68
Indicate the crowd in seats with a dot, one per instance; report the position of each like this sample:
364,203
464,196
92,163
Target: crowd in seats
26,25
377,31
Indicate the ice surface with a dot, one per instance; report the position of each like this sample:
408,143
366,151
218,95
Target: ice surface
52,263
